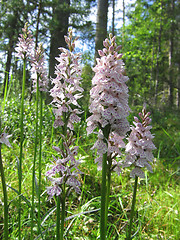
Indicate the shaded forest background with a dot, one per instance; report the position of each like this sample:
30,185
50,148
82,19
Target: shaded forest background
149,32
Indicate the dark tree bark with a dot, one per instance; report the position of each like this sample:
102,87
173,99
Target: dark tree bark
171,50
37,23
10,50
157,78
178,52
113,17
123,29
101,25
36,39
59,28
178,87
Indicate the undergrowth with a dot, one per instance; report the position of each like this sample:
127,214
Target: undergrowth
157,211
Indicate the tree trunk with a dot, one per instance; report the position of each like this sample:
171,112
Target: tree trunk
36,40
37,23
101,25
10,51
59,28
157,59
113,17
123,29
171,48
178,87
8,63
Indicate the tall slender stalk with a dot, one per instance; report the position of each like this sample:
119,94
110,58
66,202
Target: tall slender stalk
21,146
4,195
108,192
58,218
103,199
34,161
63,199
103,220
132,209
5,198
40,156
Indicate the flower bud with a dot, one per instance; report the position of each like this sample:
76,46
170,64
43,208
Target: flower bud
148,120
57,149
136,119
111,49
110,36
105,50
119,56
66,39
105,44
76,38
141,116
118,48
147,114
113,39
73,46
101,53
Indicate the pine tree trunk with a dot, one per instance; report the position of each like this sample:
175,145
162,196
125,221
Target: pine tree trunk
8,63
10,50
101,25
113,17
36,39
59,28
171,48
178,87
123,29
157,60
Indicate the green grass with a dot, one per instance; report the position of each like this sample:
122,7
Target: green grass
157,208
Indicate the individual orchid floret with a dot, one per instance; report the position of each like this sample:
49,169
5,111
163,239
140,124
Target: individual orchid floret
67,91
38,69
140,146
64,171
4,138
25,45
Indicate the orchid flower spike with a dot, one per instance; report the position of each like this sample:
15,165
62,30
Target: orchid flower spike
109,102
25,46
38,69
140,146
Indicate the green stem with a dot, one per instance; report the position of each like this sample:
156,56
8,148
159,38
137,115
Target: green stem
21,146
103,220
40,156
58,218
34,161
62,214
4,194
132,209
103,199
108,192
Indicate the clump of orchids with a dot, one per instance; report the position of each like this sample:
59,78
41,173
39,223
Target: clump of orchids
109,108
64,172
